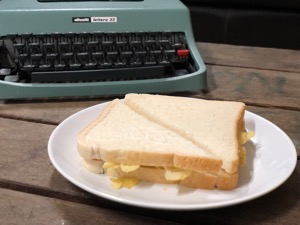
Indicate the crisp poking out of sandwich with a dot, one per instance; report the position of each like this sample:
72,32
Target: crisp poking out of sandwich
163,139
118,183
244,137
125,168
171,173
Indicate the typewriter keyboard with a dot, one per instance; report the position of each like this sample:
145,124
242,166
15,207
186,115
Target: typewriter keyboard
97,56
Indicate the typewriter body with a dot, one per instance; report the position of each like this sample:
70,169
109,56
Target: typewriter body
90,48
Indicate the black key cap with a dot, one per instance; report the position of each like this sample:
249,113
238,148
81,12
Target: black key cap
82,55
165,63
136,43
107,43
78,44
121,43
22,56
49,46
140,53
37,56
106,65
135,64
150,63
60,66
92,43
63,44
170,52
155,52
28,68
44,67
97,55
126,54
163,42
90,66
34,45
119,64
51,55
67,55
18,45
150,42
112,54
75,66
177,46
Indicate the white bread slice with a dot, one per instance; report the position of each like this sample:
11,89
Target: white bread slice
121,135
199,180
212,125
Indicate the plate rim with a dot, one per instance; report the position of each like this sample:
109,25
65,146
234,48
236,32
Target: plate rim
165,206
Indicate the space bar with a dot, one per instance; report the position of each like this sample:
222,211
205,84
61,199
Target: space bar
99,74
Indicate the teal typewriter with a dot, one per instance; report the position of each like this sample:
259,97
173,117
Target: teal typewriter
64,48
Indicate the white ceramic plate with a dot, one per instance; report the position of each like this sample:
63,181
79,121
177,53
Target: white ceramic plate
271,160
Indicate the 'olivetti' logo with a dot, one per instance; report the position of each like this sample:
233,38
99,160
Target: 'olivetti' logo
81,19
98,19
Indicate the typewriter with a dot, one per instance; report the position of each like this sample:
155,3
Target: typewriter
61,48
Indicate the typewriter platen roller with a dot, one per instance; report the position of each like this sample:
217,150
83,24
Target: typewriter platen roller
83,48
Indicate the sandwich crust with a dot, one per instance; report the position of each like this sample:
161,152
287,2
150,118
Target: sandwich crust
151,158
227,181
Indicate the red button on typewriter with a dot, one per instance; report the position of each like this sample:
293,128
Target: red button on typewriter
183,53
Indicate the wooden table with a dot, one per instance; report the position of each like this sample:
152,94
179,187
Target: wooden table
33,192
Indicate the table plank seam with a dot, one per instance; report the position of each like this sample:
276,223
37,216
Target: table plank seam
248,67
30,120
85,198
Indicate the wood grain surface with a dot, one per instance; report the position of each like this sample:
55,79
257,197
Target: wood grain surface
250,57
41,178
30,209
33,192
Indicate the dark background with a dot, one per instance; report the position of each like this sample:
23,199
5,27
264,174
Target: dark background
263,23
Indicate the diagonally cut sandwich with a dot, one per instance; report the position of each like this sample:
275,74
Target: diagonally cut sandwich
129,146
127,142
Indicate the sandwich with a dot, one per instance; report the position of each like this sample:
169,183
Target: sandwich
163,139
